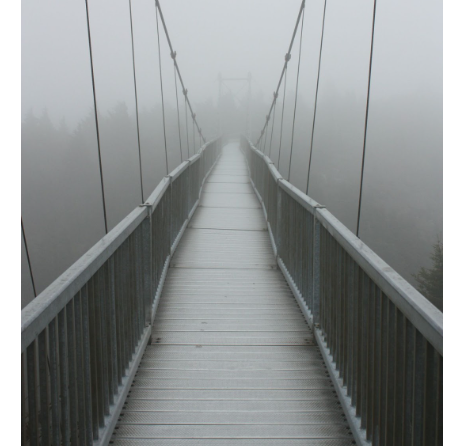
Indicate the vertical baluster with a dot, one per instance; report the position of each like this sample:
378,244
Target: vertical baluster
376,362
350,312
54,383
356,332
113,330
419,389
328,287
383,358
408,383
132,289
336,302
32,400
121,308
131,313
72,370
43,389
342,309
370,359
93,359
380,363
388,407
97,341
105,337
146,269
399,378
126,301
138,276
80,368
63,374
24,390
87,373
316,271
430,395
116,274
439,424
364,363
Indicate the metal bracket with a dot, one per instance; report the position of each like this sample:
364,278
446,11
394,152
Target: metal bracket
149,206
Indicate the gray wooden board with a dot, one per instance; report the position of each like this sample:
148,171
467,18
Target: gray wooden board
231,360
233,442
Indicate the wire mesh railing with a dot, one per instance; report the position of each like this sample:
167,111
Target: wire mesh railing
82,338
381,339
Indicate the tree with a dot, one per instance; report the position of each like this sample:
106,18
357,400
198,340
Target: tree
431,280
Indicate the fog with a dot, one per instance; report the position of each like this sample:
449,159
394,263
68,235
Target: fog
62,210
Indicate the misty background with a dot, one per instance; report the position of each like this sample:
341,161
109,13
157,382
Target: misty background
401,214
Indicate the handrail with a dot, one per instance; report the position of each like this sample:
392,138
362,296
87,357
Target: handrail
423,314
85,334
36,316
381,339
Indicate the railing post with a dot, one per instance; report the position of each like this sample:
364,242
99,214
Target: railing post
277,229
316,273
146,267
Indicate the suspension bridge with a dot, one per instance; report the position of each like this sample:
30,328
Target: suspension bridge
230,308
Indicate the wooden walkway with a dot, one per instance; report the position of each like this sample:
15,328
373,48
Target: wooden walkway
232,360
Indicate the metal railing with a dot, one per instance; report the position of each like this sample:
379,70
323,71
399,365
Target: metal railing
381,339
82,338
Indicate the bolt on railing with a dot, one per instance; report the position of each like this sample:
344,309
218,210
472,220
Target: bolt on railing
381,339
82,338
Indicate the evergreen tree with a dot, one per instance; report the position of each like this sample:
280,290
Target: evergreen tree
431,280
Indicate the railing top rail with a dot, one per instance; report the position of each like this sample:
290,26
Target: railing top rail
420,311
274,172
299,196
178,170
194,158
157,194
41,310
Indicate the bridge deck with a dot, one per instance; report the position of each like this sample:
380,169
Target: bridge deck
232,360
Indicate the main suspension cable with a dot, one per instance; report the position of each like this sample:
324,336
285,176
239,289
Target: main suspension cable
288,52
104,207
295,101
28,257
136,103
366,121
288,56
177,103
316,96
162,94
176,66
272,129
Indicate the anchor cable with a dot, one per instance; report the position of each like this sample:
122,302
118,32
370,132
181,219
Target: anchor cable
162,94
28,258
96,118
366,121
282,115
178,117
316,96
136,103
295,101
